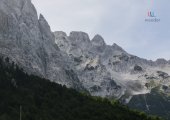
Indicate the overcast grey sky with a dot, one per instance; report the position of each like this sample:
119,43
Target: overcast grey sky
118,21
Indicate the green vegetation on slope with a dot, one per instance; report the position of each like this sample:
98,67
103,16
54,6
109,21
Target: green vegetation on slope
155,103
44,100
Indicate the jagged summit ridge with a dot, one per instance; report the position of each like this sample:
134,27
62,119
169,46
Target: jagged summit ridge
78,36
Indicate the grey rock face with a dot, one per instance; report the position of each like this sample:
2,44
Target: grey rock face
161,62
88,65
29,42
98,41
99,66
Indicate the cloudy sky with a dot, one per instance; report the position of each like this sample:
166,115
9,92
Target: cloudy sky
118,21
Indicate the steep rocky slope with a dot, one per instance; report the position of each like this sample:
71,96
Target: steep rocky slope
28,41
110,71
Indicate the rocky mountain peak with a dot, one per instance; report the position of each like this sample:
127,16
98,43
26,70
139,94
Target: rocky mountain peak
60,34
45,30
117,47
98,41
161,61
18,7
28,41
79,36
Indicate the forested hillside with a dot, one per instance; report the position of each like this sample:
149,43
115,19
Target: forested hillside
41,99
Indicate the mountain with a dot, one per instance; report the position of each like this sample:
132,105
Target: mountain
35,98
74,60
28,41
109,71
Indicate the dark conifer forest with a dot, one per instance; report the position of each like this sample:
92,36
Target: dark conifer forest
41,99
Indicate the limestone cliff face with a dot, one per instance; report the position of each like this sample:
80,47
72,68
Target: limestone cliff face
108,71
28,41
